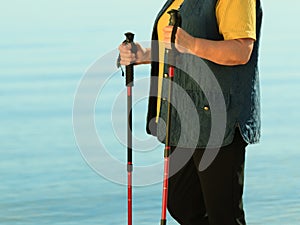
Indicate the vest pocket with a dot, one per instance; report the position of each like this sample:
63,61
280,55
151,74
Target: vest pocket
199,124
205,101
210,107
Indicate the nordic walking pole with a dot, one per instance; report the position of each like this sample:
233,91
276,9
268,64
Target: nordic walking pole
175,21
129,74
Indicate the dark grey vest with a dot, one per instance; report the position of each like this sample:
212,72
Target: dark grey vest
209,100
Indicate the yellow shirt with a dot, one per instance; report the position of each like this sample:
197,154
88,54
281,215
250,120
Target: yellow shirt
235,18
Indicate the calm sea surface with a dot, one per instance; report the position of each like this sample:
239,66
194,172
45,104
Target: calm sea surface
46,50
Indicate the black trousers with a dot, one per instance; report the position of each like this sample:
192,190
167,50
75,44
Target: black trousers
212,196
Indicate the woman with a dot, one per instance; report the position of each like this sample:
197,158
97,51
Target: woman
224,34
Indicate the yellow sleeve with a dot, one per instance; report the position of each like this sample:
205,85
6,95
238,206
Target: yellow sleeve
236,18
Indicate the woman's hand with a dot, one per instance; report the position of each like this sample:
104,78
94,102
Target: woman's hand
184,42
142,56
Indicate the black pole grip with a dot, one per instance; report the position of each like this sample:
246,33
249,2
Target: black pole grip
129,68
175,18
175,21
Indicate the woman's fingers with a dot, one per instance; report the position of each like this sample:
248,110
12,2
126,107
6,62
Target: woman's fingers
167,34
127,57
183,41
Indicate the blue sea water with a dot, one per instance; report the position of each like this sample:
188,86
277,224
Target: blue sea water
47,48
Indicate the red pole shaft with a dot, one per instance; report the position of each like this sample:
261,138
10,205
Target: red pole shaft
171,72
175,21
167,153
165,186
129,197
129,84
